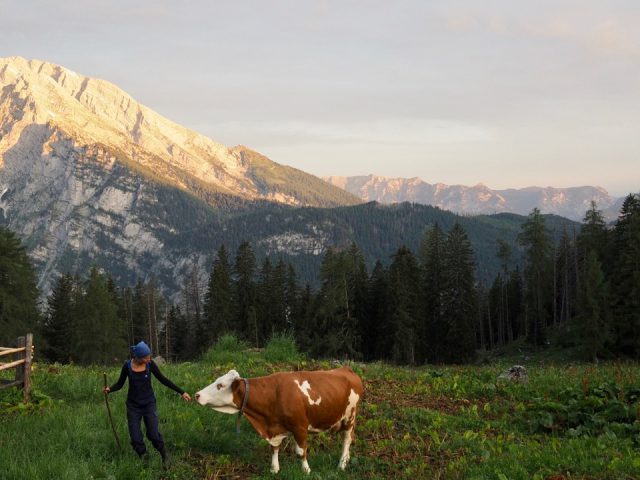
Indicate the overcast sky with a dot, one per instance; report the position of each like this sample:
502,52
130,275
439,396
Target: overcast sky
505,93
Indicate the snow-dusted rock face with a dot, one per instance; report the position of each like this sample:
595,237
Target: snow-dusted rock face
567,202
90,111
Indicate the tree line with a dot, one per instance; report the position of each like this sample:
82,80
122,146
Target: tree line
424,307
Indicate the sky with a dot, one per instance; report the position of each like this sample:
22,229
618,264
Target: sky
505,93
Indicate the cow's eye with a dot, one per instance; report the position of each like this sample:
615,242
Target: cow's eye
220,386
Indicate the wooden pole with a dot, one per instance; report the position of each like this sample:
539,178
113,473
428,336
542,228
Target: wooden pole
28,355
106,401
10,351
7,366
21,343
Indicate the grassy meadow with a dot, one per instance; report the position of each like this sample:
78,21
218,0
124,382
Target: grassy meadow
569,421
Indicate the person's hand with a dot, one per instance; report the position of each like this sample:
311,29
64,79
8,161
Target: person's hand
106,390
186,397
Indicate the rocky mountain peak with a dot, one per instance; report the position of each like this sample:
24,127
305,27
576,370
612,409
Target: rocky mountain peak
480,199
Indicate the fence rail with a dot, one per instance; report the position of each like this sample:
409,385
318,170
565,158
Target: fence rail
22,366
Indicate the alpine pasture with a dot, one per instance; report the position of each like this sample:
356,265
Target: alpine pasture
569,421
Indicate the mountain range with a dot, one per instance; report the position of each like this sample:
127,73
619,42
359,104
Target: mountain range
570,202
89,176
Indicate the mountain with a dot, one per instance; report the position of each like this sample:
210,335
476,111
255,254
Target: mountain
567,202
90,177
49,109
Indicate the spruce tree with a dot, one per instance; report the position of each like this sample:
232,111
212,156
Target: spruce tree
58,328
459,298
626,278
432,327
405,306
357,287
333,334
244,293
592,320
19,312
377,329
100,336
218,306
537,275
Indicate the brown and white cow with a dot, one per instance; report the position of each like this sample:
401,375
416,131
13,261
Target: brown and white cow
291,402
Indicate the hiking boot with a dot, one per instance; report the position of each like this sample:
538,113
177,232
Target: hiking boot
144,456
166,461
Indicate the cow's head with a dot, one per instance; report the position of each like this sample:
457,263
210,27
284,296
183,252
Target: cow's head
219,395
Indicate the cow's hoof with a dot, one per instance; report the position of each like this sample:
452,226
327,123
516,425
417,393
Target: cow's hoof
274,470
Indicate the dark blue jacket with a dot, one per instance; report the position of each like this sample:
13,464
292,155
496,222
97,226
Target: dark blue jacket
140,389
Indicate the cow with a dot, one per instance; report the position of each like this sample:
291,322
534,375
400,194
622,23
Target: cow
293,403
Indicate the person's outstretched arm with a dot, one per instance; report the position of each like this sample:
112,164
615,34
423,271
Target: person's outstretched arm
119,384
166,382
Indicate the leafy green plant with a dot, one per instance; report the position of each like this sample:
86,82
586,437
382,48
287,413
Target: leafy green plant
282,348
227,350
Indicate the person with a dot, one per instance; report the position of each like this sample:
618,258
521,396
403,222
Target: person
141,400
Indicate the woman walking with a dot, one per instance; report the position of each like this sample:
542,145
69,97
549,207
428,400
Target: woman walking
141,400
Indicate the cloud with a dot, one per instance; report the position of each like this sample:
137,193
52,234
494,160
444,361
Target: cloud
399,132
611,37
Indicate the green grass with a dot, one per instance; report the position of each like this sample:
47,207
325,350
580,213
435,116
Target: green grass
430,422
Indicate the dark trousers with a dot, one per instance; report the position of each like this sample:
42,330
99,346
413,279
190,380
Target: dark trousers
149,414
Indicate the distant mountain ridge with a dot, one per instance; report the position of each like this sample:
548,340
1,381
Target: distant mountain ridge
570,202
90,177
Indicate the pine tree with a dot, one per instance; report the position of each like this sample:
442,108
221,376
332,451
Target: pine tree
537,273
218,306
592,320
432,327
196,341
244,272
505,332
459,299
626,278
566,278
19,312
515,294
101,338
376,338
332,335
593,235
358,298
58,326
404,308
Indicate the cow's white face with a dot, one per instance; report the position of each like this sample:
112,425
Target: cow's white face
218,395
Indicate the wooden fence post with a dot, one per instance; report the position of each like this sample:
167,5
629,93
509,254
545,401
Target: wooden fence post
20,368
28,352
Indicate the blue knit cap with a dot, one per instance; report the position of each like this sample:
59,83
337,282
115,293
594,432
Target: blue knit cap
140,350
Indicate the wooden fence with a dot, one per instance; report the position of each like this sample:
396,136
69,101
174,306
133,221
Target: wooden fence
24,351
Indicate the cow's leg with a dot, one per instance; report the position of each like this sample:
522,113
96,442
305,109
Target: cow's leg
275,446
300,437
348,438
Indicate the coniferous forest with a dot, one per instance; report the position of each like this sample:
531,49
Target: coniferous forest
416,307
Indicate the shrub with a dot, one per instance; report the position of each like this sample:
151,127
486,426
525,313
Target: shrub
228,349
282,348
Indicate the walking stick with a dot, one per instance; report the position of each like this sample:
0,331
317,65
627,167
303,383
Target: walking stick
106,401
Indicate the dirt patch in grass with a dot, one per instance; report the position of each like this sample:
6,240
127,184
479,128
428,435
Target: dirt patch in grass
379,391
211,467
